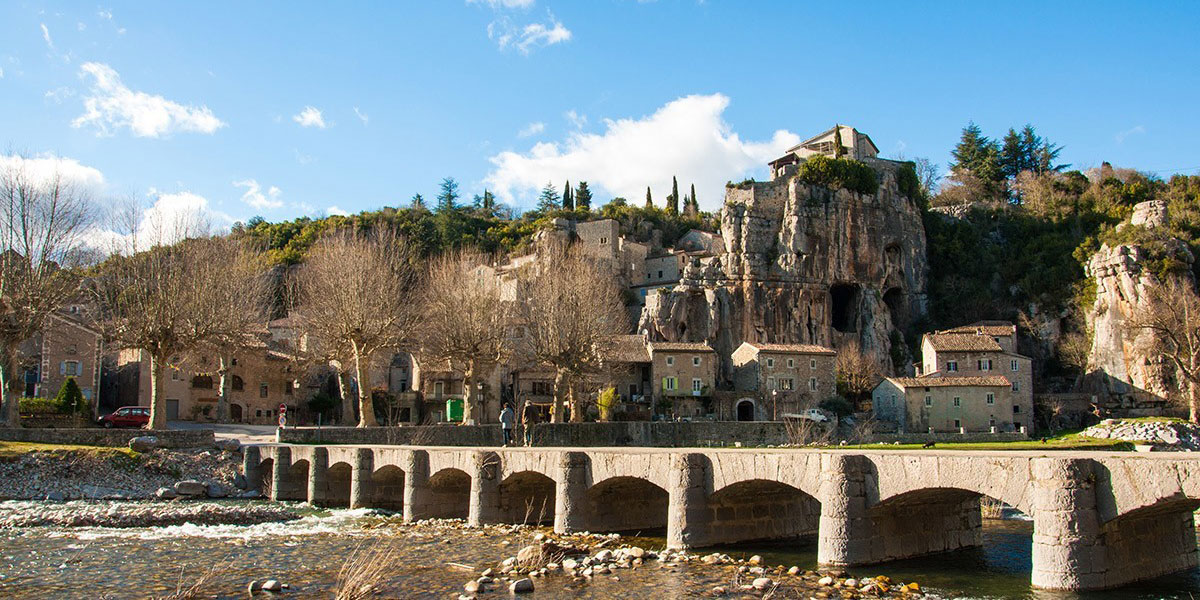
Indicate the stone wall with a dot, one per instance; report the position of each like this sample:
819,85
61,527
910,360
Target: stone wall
629,433
109,437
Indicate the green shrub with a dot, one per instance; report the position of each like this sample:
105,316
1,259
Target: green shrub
845,173
40,406
908,182
70,399
606,403
837,405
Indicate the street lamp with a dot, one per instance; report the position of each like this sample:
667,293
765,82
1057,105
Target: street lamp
774,404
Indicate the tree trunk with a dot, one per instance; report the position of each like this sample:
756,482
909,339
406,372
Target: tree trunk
345,412
468,399
158,405
223,389
1193,402
366,405
560,378
10,399
573,402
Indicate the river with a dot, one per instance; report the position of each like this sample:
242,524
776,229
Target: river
55,563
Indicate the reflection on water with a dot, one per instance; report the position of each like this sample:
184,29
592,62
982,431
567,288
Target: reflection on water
136,563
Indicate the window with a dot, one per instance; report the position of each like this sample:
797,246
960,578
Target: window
1014,365
439,388
1016,387
812,384
603,240
695,361
928,400
791,363
72,349
670,361
233,362
263,390
670,384
258,413
202,382
985,364
174,374
952,366
1016,408
288,386
660,274
771,383
957,424
957,402
770,363
812,363
542,388
697,385
787,385
238,384
69,368
991,398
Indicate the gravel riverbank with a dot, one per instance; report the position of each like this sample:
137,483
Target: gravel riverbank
81,513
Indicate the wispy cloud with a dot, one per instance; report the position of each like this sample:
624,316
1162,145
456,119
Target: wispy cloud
1121,135
503,3
258,198
532,129
361,115
576,120
529,37
111,105
310,117
336,210
59,94
46,36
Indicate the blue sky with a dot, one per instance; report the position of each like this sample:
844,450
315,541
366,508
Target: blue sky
207,105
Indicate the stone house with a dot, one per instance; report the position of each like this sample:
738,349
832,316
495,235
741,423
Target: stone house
683,377
785,378
701,243
946,404
857,145
982,349
67,348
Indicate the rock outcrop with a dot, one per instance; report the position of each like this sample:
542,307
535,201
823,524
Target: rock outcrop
803,264
1124,369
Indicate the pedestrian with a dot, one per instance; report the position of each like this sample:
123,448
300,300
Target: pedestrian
529,416
507,419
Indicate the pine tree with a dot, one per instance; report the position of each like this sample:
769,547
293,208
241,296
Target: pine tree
1013,155
649,200
673,199
977,155
582,197
418,202
548,200
838,149
447,200
70,398
568,201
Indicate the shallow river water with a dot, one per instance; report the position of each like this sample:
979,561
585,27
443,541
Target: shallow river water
308,553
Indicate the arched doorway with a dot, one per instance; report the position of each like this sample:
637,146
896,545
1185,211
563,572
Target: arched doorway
745,410
235,413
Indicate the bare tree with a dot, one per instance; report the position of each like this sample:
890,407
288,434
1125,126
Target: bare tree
856,371
42,223
570,307
1172,314
466,320
162,302
355,294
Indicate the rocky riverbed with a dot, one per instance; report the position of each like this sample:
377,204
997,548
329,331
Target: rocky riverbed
1163,435
83,513
118,473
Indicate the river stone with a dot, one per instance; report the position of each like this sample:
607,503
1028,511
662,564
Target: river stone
762,583
850,583
56,496
165,493
190,487
253,587
569,563
143,443
637,552
604,556
214,490
826,580
755,560
229,445
472,587
527,554
250,494
521,586
272,585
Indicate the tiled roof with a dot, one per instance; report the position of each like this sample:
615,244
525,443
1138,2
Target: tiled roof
963,342
989,328
625,349
794,348
680,347
964,381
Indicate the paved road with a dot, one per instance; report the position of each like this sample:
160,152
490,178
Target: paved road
247,434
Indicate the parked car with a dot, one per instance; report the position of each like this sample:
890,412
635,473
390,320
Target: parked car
128,416
812,414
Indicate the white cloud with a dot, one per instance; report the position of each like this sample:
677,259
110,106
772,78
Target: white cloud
1,72
256,197
170,218
576,120
1121,135
532,129
111,106
44,167
495,4
686,137
361,115
525,39
336,210
104,14
59,94
46,36
310,117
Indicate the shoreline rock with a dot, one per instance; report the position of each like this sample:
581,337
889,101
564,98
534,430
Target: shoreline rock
78,513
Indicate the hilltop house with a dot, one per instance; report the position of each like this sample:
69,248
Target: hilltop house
857,145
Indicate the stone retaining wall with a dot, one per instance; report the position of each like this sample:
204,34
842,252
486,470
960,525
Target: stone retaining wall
947,437
109,437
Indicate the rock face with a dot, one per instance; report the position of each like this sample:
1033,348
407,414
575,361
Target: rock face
1124,370
803,264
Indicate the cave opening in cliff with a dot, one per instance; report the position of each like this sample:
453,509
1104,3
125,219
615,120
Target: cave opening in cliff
843,307
894,299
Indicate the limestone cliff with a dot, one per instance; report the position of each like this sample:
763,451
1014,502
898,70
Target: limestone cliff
803,264
1123,367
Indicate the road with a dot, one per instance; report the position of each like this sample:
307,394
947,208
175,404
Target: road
247,434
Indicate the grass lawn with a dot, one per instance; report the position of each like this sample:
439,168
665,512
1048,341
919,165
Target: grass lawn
1063,440
13,450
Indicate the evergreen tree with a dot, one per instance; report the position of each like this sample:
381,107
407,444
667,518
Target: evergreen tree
70,398
418,202
568,201
694,203
673,199
548,200
447,200
838,149
977,155
582,196
649,200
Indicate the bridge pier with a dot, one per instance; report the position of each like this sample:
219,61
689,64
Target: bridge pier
485,490
318,477
361,468
689,519
570,490
252,467
418,501
844,533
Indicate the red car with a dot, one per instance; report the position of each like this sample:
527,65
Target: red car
128,416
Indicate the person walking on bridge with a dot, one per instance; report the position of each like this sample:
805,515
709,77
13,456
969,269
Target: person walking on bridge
529,416
507,420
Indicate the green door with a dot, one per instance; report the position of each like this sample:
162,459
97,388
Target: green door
454,409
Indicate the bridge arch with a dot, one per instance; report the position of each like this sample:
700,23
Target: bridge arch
527,497
387,488
450,494
625,503
293,485
337,485
761,509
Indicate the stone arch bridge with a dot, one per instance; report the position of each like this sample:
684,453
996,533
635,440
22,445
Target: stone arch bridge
1100,520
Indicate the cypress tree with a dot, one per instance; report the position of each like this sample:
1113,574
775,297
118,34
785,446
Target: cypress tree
567,201
582,196
695,204
649,200
838,149
673,199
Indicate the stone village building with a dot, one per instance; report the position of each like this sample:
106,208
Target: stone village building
66,348
787,379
